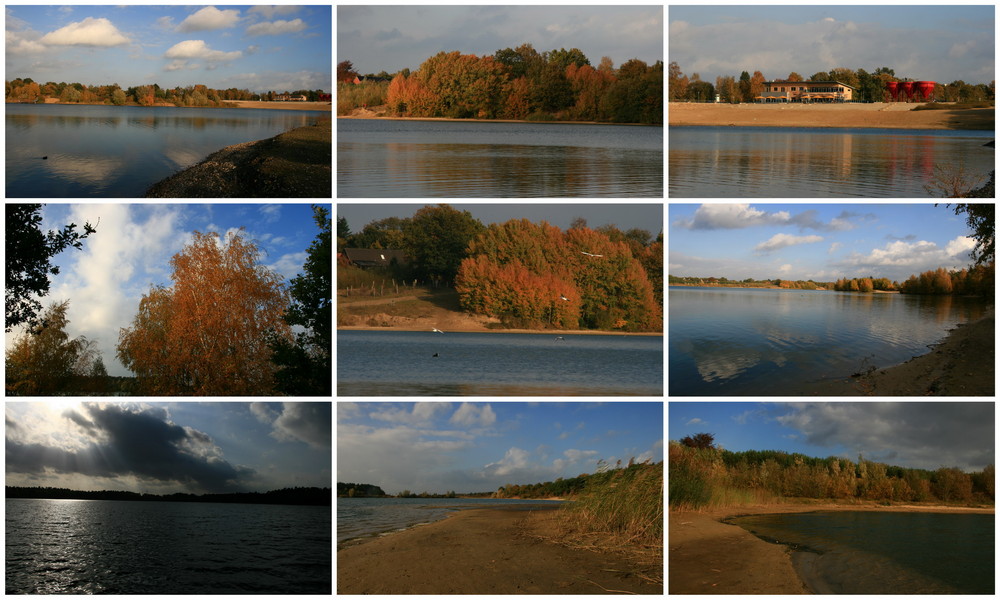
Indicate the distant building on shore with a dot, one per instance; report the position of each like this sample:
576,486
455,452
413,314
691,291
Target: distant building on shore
806,91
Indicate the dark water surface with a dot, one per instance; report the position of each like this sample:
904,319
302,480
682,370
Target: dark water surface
113,547
885,553
120,151
794,162
362,517
415,159
401,363
743,341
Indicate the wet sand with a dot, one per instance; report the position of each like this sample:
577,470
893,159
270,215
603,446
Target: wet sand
875,115
707,556
294,164
961,365
484,551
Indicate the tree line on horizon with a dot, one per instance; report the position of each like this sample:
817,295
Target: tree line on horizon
223,328
312,496
516,83
29,91
525,274
871,87
702,474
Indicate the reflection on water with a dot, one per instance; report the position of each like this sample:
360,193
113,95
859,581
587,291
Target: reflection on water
763,162
120,151
422,159
737,341
495,364
885,553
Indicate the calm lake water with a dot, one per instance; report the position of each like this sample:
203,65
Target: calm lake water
120,151
733,341
401,363
362,517
786,162
416,159
886,553
112,547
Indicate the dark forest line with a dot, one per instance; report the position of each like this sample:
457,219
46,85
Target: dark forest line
304,496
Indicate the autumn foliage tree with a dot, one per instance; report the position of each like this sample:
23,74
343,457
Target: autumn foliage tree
44,360
209,334
532,275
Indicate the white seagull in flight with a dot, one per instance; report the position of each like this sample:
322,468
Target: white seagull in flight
589,254
561,297
436,330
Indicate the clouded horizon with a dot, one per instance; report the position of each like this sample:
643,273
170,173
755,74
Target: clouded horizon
935,43
260,48
162,448
923,435
822,242
479,446
392,38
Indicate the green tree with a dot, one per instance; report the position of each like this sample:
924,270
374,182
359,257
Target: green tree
44,360
28,255
563,58
437,238
306,367
118,97
745,94
699,440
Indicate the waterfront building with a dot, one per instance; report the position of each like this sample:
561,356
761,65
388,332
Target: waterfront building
806,91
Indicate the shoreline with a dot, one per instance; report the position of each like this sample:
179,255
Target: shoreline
485,330
830,116
483,551
708,556
962,364
319,106
295,164
363,113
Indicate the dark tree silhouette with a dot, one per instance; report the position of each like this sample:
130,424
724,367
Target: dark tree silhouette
699,440
28,252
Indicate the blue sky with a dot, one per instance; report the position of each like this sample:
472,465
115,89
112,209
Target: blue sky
163,448
625,216
924,435
131,251
823,242
391,38
941,43
480,446
260,48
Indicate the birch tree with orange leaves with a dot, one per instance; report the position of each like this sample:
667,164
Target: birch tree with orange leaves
209,334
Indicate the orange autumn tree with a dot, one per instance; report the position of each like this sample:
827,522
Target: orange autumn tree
209,334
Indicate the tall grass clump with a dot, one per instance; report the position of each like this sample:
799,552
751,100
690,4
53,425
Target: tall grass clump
351,96
700,478
622,506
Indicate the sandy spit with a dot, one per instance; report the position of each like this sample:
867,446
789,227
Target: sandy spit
707,556
875,115
483,551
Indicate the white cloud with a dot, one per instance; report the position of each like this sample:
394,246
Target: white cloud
732,216
695,421
514,459
468,414
23,43
421,413
834,247
916,256
307,422
263,412
269,12
209,18
276,28
572,457
786,268
88,32
199,49
783,240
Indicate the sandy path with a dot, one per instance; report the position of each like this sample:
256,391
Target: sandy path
876,115
487,551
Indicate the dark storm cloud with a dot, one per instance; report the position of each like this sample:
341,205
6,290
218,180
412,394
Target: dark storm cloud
126,442
916,434
309,422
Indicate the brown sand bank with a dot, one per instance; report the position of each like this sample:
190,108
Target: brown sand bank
707,556
875,115
961,365
382,112
484,551
326,106
294,164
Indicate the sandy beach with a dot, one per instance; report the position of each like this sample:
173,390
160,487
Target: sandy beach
707,556
961,365
486,551
294,164
324,106
875,115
